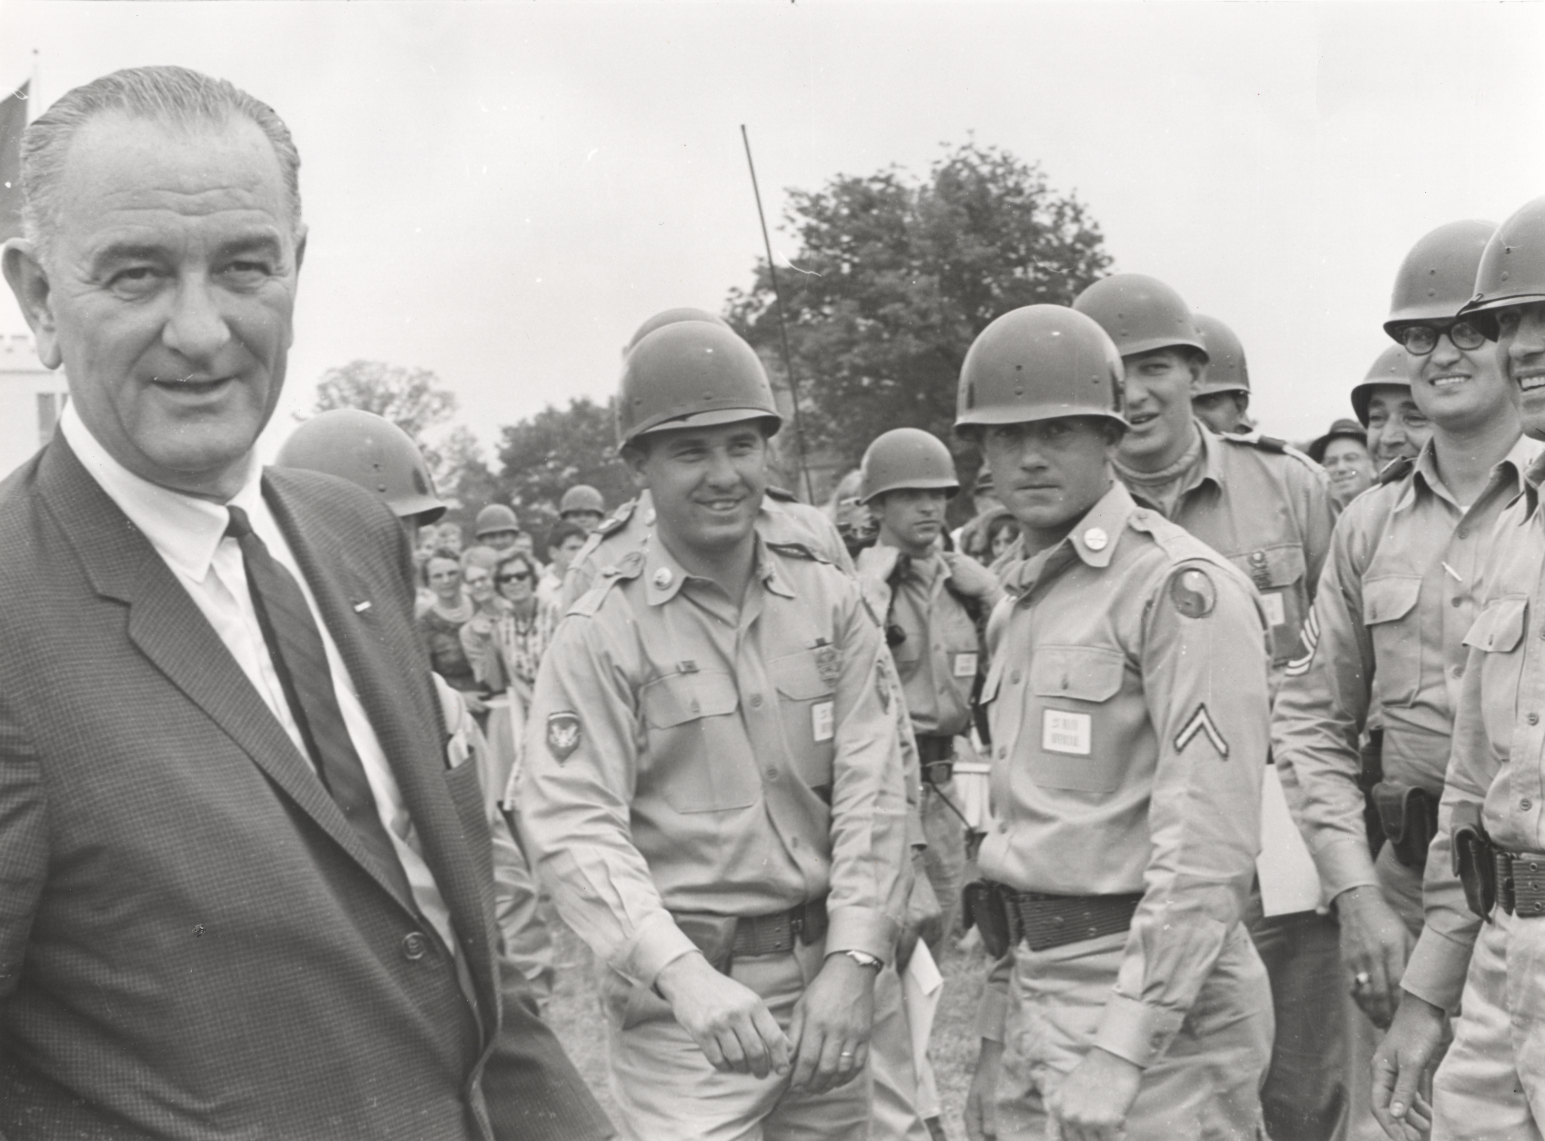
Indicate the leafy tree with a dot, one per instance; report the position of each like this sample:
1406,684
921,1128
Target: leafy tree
546,454
895,276
412,398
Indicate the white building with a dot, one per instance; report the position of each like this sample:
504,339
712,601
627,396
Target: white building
31,398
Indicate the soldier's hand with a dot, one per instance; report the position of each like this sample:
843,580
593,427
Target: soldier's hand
729,1023
972,578
1374,947
831,1025
1398,1065
1092,1102
924,915
981,1102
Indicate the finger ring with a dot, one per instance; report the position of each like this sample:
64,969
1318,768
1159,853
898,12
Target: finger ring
1361,979
846,1054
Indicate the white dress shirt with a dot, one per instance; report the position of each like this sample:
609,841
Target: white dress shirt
189,535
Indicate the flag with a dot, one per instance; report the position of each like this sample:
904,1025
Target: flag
13,121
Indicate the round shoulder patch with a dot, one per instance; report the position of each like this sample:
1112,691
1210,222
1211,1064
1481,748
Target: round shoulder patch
1193,593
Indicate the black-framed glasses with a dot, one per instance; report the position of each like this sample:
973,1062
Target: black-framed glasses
514,576
1419,340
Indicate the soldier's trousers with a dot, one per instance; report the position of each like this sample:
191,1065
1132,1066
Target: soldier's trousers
666,1090
1491,1084
1206,1087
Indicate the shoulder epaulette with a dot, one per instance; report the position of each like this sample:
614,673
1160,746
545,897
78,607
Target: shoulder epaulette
630,567
1396,470
618,519
1256,440
798,551
781,494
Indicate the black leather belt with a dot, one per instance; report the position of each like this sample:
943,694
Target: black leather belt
774,934
1520,883
936,757
1047,921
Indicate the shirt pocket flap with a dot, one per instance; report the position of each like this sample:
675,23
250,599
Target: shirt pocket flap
797,677
1389,599
1500,626
1079,672
678,698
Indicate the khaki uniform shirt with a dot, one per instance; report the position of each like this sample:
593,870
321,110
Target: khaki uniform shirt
1128,707
1498,758
1267,511
686,756
1402,586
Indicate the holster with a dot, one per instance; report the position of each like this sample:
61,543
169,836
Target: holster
1369,774
1408,817
1474,858
982,904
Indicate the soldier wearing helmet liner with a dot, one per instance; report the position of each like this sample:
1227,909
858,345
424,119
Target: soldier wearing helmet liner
1486,861
374,453
1382,400
583,506
1266,508
496,527
1409,562
1222,399
1128,702
712,789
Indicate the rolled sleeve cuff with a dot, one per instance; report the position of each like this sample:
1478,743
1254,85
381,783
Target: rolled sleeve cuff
657,943
993,1010
862,929
1344,863
1436,970
1137,1031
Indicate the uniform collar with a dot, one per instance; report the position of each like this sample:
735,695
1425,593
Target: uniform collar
1092,540
1211,465
1512,469
664,576
184,529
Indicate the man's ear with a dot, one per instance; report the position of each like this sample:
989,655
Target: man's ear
1198,375
634,457
29,282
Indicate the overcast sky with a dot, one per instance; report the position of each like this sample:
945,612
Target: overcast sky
502,192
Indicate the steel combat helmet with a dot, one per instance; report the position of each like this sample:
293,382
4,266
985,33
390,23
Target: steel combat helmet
906,458
370,451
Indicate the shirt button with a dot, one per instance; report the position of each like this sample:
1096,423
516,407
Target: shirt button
1463,532
1526,804
415,945
1533,719
1456,602
772,773
756,701
1015,677
1003,750
1457,671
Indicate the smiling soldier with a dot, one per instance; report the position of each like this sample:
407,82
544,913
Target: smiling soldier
1127,697
713,785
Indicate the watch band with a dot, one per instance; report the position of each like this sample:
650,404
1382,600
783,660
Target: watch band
864,959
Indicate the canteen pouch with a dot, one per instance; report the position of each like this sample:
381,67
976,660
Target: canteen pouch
1408,817
1472,856
984,907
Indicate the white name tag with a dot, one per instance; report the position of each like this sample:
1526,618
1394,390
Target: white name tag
821,721
1064,732
965,665
1275,614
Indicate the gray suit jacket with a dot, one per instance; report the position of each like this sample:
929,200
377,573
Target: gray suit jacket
193,943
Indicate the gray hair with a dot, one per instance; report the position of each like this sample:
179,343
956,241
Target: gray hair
171,95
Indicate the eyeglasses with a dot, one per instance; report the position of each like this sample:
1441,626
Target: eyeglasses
1420,340
514,576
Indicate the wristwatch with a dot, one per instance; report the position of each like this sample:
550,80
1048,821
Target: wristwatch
864,959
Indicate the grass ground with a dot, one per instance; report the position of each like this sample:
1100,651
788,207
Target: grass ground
575,1014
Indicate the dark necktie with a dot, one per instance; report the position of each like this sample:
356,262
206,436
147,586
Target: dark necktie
295,645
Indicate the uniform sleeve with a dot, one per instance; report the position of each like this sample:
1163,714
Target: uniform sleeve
577,782
869,830
1438,964
1204,664
1319,521
1319,718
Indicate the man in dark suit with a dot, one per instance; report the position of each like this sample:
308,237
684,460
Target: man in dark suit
243,890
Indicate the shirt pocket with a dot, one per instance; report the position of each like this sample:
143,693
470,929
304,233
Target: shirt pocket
1390,613
1497,634
808,708
699,758
1279,575
1071,741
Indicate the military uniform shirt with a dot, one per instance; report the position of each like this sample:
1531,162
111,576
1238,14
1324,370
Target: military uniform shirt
1128,707
686,756
1498,757
1402,586
939,658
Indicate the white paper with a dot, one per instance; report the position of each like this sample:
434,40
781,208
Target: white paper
1289,883
920,988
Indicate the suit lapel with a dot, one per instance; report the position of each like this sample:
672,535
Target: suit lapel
402,708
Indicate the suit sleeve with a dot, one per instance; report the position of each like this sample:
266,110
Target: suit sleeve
1319,718
23,847
1204,664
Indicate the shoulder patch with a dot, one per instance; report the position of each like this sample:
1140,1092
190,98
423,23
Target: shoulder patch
1192,592
1396,470
1201,724
1309,638
563,734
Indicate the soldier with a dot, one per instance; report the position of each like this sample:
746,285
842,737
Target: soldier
1490,1083
1222,397
582,506
1384,405
1266,508
712,786
372,452
1127,696
1343,453
496,527
1402,585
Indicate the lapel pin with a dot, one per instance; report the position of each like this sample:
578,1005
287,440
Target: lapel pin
361,607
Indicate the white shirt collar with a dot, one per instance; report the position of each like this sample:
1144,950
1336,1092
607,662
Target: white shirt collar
184,529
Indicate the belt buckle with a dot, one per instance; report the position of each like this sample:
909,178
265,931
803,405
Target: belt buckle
1528,886
796,923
